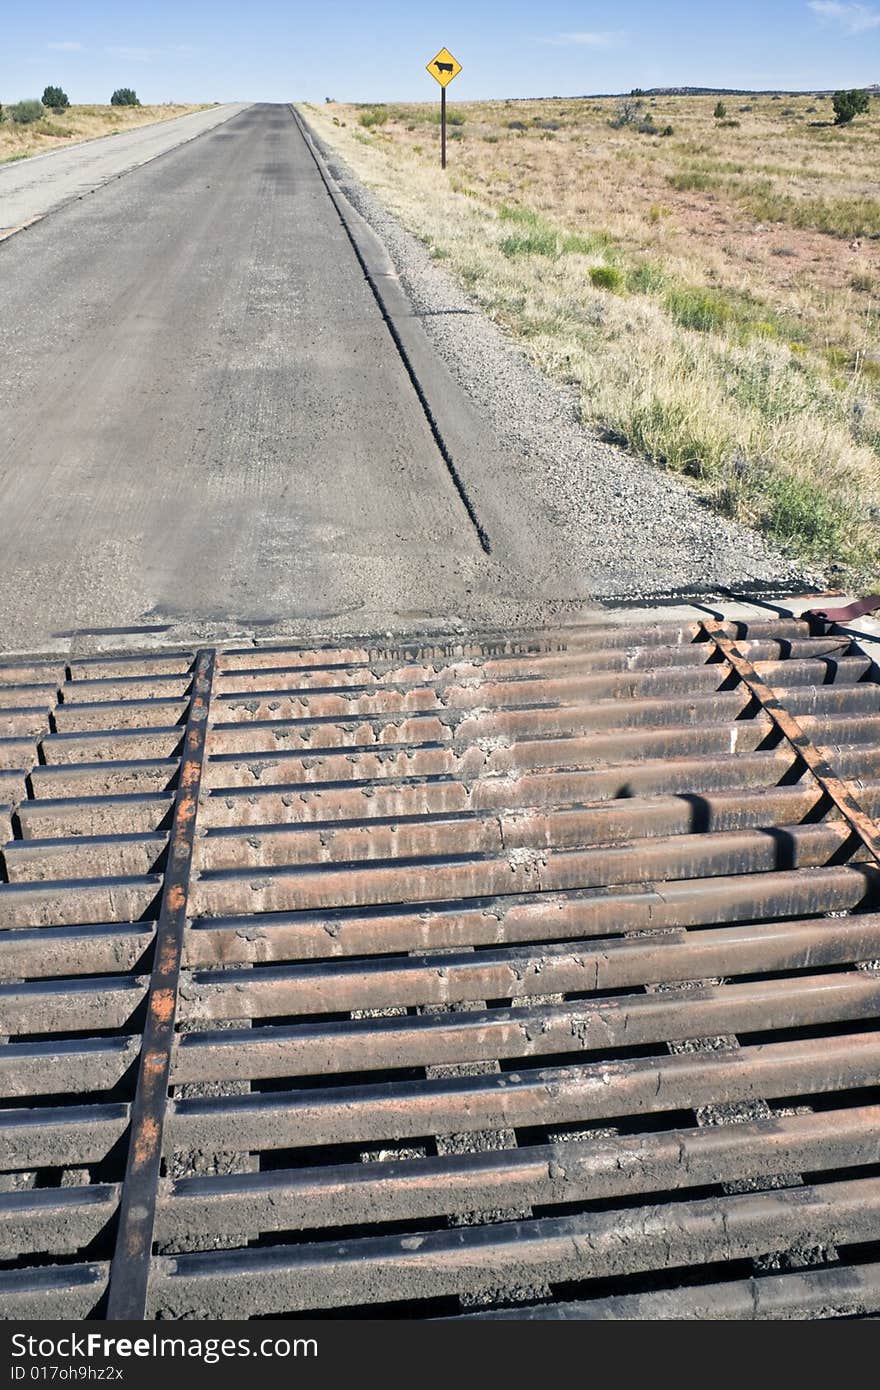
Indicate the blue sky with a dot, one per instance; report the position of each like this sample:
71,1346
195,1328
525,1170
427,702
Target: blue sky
277,50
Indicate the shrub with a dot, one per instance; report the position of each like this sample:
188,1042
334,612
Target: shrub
704,310
848,105
540,241
538,237
646,278
56,99
667,131
689,181
720,111
605,277
124,96
375,115
516,125
629,112
26,112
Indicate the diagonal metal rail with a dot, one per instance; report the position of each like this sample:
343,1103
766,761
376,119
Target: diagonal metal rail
838,791
130,1267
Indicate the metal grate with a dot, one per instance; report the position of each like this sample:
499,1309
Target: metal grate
528,977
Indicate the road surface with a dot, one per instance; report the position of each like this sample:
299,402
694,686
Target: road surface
31,188
207,427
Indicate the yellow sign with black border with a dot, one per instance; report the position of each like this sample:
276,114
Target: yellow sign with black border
444,67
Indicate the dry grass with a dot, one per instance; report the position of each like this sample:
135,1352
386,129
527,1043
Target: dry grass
714,292
79,123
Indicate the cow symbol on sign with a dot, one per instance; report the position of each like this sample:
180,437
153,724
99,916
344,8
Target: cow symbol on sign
443,67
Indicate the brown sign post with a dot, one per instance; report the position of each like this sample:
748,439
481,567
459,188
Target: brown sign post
443,69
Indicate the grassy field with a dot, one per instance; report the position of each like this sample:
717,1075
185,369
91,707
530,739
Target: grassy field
711,284
78,123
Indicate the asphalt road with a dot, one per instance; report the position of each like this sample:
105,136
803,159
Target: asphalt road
205,419
31,188
206,426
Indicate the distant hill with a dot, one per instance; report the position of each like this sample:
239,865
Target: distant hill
683,91
597,96
742,91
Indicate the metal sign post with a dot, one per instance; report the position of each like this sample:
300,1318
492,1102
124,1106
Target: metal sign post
443,69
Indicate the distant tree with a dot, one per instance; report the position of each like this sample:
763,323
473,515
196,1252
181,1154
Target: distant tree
637,92
848,105
124,96
720,111
56,99
26,112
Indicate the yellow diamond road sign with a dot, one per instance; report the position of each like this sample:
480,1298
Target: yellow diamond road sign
444,67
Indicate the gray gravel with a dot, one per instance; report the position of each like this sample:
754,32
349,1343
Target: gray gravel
631,529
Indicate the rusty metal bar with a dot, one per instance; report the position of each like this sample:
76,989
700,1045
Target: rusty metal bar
612,963
589,1245
66,1067
53,1291
130,1267
61,1136
525,1098
81,950
611,823
263,888
288,701
593,1169
411,862
849,1292
541,917
594,1025
242,1205
838,791
525,667
860,609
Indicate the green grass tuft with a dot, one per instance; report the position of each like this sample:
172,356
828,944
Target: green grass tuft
606,277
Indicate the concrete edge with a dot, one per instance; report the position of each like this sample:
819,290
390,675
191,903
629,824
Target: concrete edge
74,646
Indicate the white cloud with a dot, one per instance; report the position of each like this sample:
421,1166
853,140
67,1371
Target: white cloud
67,47
134,55
146,55
601,38
854,18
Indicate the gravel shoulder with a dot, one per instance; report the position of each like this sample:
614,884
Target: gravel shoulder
30,188
629,529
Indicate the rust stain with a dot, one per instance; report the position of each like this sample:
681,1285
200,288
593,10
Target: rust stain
145,1142
154,1065
162,1005
840,792
175,897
